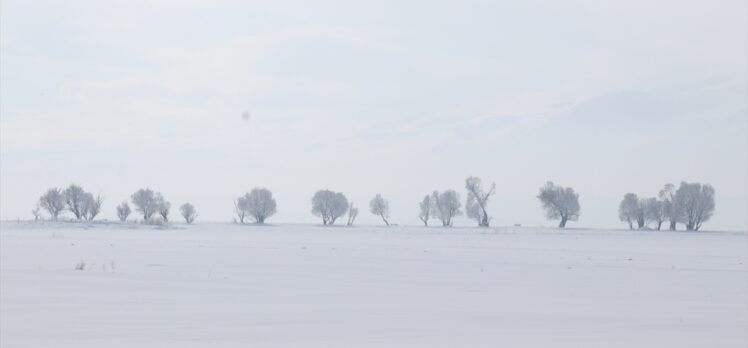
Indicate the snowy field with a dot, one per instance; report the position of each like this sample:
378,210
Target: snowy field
222,285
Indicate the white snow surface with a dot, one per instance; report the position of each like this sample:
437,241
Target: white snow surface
226,285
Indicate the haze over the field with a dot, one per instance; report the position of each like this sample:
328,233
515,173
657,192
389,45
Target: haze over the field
381,97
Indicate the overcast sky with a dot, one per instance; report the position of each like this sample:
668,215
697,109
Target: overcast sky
392,97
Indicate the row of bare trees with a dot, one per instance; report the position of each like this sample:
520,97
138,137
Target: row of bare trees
259,205
445,206
85,206
149,203
55,201
330,206
691,204
559,203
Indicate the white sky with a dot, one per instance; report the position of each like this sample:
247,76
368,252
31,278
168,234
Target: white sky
390,97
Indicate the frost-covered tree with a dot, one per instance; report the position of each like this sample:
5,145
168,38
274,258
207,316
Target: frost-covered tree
53,202
352,214
477,200
630,210
260,204
671,209
697,204
241,207
473,210
447,206
145,202
559,203
427,209
163,207
641,218
84,205
654,211
381,207
91,205
75,200
123,211
329,206
188,212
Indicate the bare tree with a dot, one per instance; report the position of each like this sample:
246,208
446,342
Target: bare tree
91,206
37,212
559,203
697,203
123,211
329,206
163,206
53,202
478,200
654,211
352,214
75,200
145,203
672,210
260,204
380,206
188,212
427,208
630,210
447,206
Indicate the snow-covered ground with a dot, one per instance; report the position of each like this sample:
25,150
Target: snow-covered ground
217,285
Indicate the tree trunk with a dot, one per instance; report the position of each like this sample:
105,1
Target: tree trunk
673,225
484,218
640,223
631,225
385,220
659,225
562,224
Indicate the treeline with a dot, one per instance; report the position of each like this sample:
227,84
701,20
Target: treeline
691,204
84,206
